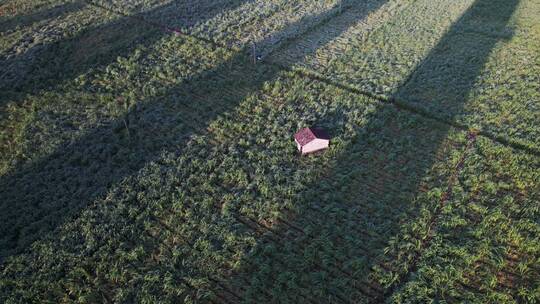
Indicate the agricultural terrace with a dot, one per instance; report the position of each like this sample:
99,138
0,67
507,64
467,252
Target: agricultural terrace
147,152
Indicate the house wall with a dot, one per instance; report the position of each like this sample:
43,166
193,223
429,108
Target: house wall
315,145
298,145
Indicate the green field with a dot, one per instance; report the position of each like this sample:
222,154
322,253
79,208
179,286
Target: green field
146,156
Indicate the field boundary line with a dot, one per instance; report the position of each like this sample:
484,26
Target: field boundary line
312,75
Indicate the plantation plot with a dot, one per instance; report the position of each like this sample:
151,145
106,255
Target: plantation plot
127,94
17,14
35,82
26,34
52,54
196,217
180,15
97,111
141,166
325,245
481,73
120,87
190,12
486,245
236,22
317,48
491,64
382,62
65,49
182,112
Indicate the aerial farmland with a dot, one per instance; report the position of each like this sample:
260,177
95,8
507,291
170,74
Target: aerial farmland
151,151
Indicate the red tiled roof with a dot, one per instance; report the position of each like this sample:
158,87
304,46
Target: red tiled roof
306,135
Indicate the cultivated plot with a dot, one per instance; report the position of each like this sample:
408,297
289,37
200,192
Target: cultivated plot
77,140
27,33
316,49
474,63
90,102
485,73
391,52
204,214
485,246
325,246
16,14
147,166
36,79
236,22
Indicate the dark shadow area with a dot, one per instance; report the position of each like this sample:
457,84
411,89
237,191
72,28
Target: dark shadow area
329,27
446,78
186,14
12,23
37,198
324,250
47,66
351,12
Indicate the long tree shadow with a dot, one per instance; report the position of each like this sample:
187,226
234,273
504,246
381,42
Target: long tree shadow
39,197
12,23
56,186
326,247
48,66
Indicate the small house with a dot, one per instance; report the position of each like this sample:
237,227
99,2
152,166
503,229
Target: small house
309,140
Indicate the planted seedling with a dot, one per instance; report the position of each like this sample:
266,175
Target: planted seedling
122,102
254,52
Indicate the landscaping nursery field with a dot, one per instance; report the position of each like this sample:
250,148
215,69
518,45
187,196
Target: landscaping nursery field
147,151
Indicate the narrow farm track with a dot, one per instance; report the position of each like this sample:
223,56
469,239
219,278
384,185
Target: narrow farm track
314,76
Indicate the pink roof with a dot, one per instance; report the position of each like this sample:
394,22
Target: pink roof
306,135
